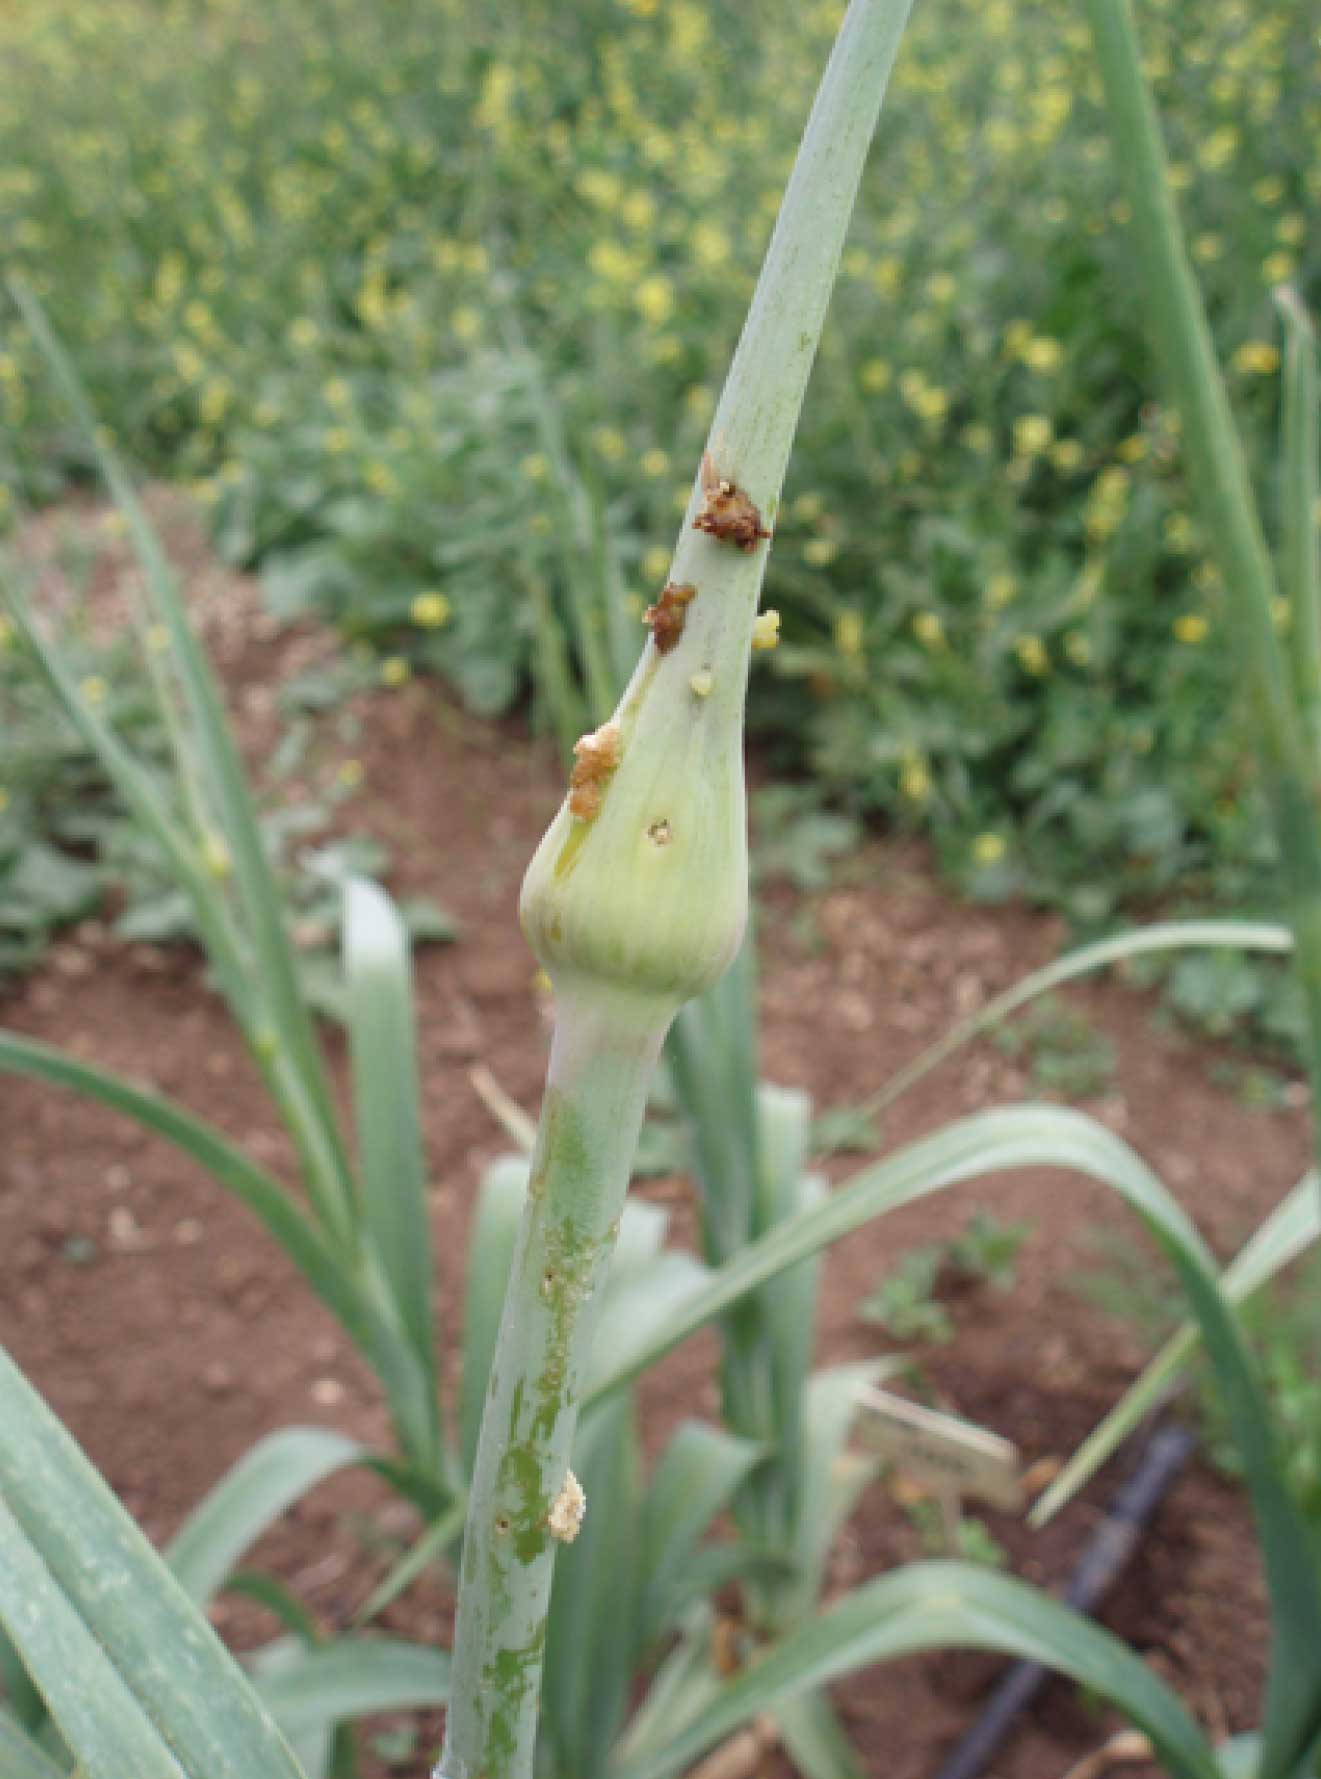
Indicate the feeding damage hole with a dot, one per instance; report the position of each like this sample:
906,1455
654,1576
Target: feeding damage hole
548,1280
660,833
595,757
566,1510
727,512
502,1522
665,619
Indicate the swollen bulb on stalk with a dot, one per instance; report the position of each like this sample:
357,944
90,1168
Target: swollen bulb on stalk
641,880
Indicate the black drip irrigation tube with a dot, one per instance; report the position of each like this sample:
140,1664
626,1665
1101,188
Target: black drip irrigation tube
1104,1558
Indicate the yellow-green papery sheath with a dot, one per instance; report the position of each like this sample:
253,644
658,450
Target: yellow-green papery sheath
636,901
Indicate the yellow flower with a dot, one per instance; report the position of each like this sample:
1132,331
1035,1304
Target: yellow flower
1043,354
609,443
655,563
497,95
1207,248
1269,190
1107,502
535,467
1257,358
1032,434
1077,648
1001,589
1278,268
875,376
350,774
1032,656
988,849
429,611
819,552
600,187
654,299
467,324
710,245
612,262
1219,148
809,506
915,779
1132,449
1191,627
654,462
1066,455
929,630
394,670
925,400
638,210
848,633
94,689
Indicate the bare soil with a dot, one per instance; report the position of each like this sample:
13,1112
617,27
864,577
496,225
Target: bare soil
170,1333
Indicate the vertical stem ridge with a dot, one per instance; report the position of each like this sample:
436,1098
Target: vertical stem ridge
601,1064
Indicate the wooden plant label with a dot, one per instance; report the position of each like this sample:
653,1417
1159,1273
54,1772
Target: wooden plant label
950,1456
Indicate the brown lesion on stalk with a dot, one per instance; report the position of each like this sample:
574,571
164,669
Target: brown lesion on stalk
595,758
665,619
727,512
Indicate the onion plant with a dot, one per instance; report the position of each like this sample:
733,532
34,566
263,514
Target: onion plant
358,1238
635,903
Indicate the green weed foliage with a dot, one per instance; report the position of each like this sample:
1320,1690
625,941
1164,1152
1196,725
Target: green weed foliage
57,820
414,295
